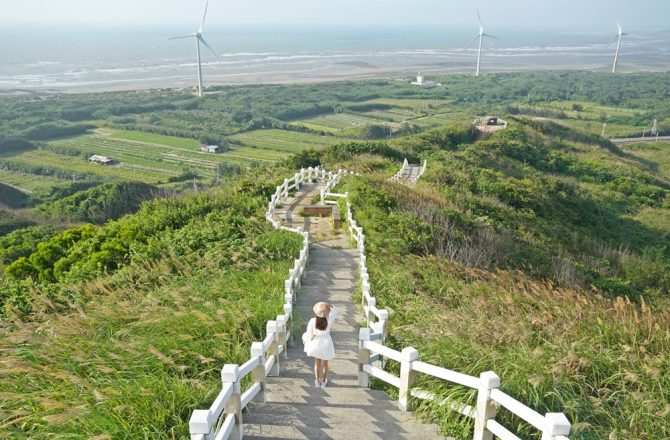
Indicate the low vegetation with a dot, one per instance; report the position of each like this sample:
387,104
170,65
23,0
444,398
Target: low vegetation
541,253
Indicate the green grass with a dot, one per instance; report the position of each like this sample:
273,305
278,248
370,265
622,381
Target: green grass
12,197
137,362
31,182
131,352
336,122
537,257
157,139
282,141
79,165
589,118
150,158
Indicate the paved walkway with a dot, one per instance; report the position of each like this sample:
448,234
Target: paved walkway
409,174
295,408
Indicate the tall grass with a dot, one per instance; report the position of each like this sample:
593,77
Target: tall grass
602,361
131,354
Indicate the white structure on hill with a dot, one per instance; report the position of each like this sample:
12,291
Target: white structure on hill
104,160
421,81
214,149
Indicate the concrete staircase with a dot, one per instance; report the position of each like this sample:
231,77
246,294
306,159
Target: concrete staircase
295,408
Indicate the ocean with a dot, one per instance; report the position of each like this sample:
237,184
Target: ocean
100,59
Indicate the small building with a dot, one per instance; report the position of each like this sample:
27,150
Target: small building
213,149
421,81
103,160
490,124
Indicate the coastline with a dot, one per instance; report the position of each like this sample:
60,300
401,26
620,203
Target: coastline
339,72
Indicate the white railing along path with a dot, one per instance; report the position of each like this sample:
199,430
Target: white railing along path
223,419
373,351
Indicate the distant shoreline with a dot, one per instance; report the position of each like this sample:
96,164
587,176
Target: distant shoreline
343,72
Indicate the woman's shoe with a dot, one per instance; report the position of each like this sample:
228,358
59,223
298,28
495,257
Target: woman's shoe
317,384
324,382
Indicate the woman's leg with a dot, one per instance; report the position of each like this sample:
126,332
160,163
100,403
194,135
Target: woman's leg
325,370
317,369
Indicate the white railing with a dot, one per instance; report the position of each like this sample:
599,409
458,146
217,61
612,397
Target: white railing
402,173
421,171
372,352
405,173
223,419
304,175
334,179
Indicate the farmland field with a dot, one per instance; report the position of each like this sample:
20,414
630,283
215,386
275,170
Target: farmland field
280,141
79,167
146,157
31,183
335,122
590,117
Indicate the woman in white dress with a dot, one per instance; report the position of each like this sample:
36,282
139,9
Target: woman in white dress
317,340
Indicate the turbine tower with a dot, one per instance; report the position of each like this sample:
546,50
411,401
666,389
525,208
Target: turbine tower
199,39
617,38
479,36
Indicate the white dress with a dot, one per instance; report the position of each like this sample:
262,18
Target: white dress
318,343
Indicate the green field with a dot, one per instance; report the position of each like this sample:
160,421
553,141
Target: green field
30,183
335,122
148,157
158,139
272,142
12,197
591,117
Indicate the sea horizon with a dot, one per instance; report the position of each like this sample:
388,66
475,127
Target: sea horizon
108,58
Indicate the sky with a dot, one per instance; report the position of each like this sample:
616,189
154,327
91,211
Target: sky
569,14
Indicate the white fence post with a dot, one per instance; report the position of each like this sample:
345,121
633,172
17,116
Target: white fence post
369,316
383,323
556,424
273,349
201,425
407,377
285,191
281,333
485,410
363,357
288,312
231,375
258,373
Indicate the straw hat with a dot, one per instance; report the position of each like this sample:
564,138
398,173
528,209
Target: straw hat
321,309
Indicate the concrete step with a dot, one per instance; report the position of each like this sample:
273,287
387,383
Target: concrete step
295,408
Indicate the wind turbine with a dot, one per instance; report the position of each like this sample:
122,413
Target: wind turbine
479,36
199,39
617,38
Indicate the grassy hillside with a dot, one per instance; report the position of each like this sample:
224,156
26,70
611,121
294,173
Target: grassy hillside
12,197
105,202
129,350
533,254
542,253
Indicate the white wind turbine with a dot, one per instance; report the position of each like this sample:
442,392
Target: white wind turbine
617,38
199,39
479,36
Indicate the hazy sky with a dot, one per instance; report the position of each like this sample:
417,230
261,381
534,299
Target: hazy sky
571,14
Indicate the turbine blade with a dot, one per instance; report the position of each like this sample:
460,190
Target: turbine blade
616,37
202,23
202,40
490,36
183,36
479,20
470,43
618,24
